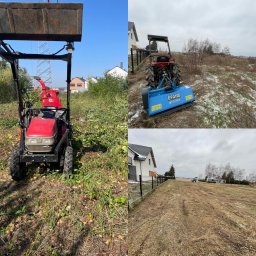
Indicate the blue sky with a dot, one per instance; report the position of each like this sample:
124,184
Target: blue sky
103,45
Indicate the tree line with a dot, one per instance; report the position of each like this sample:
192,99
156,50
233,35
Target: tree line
228,173
205,47
7,86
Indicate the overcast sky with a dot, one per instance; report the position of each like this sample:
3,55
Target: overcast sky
190,150
231,23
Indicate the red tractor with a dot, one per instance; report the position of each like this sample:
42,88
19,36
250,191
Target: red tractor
161,64
46,132
163,92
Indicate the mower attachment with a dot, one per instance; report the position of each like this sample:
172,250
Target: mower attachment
162,99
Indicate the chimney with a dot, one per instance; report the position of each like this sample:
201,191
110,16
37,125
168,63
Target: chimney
121,64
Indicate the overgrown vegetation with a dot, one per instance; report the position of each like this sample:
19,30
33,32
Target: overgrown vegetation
7,88
196,52
91,204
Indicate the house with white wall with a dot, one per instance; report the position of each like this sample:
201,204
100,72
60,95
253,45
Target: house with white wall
132,36
118,72
141,161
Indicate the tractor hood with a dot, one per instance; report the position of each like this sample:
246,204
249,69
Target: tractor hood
42,127
41,135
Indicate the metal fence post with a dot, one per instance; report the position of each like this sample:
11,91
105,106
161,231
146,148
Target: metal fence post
137,57
132,60
140,185
157,180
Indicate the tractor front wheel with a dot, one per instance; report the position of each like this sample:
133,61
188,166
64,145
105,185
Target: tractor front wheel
68,161
17,169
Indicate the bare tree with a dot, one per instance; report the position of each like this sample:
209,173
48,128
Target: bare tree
226,51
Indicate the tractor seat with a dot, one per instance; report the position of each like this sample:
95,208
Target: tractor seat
162,59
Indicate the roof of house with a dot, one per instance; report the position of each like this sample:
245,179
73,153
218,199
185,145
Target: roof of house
142,151
117,71
81,78
131,26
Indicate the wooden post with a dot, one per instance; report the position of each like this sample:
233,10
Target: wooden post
152,182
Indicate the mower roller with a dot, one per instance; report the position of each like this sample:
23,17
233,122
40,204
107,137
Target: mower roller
164,92
46,132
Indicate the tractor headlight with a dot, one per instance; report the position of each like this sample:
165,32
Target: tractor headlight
32,141
47,141
40,141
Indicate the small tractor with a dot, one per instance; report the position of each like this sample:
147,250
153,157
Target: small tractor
164,92
46,132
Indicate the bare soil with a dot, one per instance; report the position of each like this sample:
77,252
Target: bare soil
185,218
225,90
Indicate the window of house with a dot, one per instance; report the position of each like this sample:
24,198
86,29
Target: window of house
79,85
72,85
149,161
131,35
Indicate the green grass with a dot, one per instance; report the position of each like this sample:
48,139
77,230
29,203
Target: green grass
100,143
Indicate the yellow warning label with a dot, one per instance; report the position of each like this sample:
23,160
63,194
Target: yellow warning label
189,97
156,107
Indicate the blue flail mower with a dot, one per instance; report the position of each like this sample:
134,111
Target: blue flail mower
163,99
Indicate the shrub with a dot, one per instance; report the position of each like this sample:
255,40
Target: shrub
7,86
108,86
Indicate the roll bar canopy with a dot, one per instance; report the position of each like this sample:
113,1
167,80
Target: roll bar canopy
159,39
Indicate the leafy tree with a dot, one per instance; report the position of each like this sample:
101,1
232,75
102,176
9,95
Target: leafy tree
7,85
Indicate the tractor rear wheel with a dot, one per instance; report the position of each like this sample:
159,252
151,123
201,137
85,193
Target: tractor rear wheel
68,161
176,74
144,95
17,169
150,77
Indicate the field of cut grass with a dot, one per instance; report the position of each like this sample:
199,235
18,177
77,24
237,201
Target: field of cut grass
48,214
187,218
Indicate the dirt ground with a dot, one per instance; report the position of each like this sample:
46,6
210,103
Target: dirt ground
185,218
225,90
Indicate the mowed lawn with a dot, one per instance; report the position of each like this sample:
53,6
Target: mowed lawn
185,218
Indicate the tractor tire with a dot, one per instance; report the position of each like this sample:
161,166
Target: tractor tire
144,95
150,77
176,74
17,169
68,166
